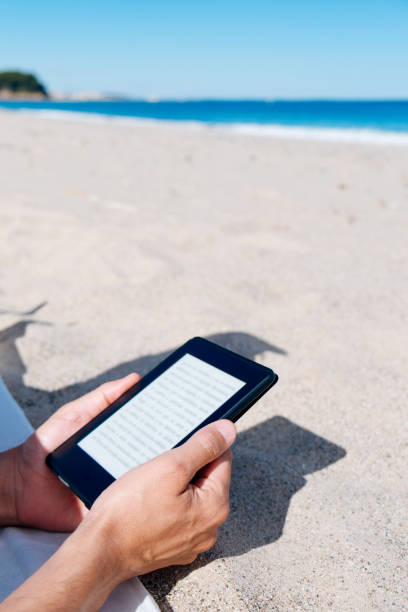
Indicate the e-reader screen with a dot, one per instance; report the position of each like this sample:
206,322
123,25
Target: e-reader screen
160,415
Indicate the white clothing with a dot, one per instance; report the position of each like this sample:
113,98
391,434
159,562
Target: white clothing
14,426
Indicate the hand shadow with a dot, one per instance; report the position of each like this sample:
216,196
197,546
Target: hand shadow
39,404
270,463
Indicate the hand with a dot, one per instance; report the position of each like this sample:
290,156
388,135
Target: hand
167,510
40,499
160,513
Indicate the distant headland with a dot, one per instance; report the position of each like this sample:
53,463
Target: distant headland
14,85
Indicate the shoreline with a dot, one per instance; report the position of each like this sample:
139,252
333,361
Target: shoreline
291,132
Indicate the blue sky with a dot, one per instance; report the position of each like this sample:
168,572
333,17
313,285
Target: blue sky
224,49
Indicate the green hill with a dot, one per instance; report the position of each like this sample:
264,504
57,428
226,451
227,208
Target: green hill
20,84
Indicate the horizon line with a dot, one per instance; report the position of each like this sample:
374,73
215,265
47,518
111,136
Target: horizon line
117,97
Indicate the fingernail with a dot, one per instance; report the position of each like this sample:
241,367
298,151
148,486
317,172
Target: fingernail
227,430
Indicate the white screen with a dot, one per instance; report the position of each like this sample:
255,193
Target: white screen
161,415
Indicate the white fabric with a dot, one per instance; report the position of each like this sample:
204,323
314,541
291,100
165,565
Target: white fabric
23,551
14,427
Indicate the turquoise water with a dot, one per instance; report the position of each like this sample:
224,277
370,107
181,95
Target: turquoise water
377,115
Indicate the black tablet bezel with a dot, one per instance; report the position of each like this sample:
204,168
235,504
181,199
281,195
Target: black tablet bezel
88,479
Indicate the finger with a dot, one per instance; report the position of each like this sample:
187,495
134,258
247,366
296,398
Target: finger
92,403
216,476
202,448
71,417
210,490
208,541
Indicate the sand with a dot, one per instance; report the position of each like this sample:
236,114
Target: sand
119,241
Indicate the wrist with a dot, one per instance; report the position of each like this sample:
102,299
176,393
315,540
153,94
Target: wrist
122,552
8,502
79,576
84,560
96,537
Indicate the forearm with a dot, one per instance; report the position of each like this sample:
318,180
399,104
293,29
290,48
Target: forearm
79,576
8,514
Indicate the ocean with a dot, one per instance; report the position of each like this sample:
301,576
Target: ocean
360,116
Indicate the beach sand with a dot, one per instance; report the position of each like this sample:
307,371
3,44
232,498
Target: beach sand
119,241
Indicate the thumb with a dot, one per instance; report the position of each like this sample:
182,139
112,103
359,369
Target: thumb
71,417
205,446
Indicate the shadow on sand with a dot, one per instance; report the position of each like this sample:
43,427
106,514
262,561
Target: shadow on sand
271,459
12,367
